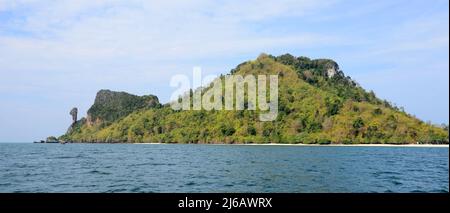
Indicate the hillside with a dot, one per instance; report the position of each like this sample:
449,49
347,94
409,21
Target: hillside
110,106
317,104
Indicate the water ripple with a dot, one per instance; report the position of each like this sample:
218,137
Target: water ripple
207,168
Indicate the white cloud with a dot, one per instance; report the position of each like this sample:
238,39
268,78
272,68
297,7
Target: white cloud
92,41
95,30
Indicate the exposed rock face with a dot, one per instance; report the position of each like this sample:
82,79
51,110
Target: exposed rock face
326,67
76,125
330,66
51,139
110,106
74,113
331,72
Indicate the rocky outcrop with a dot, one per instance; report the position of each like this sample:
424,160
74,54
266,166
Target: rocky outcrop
51,139
330,67
331,72
74,113
323,67
110,106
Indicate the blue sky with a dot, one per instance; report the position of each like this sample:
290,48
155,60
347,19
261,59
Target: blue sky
55,55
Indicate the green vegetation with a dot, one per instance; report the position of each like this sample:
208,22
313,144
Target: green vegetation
318,104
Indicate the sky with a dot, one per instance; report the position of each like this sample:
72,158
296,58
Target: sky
55,55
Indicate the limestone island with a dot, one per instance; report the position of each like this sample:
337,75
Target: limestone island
317,104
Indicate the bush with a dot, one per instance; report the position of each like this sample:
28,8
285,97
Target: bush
227,130
251,130
377,111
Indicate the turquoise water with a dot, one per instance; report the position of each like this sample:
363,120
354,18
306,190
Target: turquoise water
215,168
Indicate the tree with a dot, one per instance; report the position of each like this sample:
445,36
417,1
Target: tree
357,125
333,106
251,130
227,130
377,111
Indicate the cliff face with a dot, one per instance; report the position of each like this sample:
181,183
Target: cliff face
317,104
110,106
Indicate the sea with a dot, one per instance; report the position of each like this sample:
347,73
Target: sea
28,167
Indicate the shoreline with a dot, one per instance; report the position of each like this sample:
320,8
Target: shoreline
320,145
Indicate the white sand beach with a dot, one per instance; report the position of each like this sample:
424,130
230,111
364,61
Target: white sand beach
327,145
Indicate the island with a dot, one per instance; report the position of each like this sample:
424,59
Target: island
318,104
